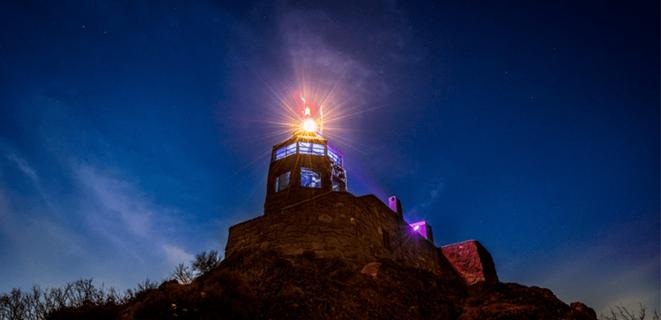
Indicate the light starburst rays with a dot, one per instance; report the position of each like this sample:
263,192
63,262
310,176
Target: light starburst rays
325,90
282,115
324,102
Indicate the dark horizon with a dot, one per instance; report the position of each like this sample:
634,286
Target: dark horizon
133,135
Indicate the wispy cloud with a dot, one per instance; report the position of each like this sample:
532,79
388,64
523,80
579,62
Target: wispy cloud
176,255
107,226
322,68
38,245
318,52
119,203
22,165
126,216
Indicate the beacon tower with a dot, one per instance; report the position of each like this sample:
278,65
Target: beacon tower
302,167
308,209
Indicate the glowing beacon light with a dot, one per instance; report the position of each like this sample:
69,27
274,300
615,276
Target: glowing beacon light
309,125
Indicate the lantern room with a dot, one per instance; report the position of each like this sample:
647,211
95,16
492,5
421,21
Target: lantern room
302,167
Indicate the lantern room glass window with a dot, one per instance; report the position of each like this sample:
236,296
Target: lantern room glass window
310,178
305,147
285,151
318,149
334,157
311,148
282,181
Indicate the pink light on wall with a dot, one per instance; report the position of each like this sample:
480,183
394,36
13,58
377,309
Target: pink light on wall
395,205
421,228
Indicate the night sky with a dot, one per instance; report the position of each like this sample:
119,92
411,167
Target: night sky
132,135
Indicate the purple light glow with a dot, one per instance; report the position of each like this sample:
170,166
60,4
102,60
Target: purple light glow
420,228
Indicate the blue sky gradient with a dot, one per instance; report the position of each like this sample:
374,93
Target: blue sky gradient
132,135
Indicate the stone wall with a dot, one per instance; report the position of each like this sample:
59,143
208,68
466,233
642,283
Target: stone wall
339,225
472,261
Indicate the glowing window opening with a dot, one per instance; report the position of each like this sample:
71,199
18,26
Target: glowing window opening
334,157
302,147
282,181
311,148
285,151
318,149
310,178
291,149
305,147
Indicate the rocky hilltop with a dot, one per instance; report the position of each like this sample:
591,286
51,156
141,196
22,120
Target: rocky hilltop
337,256
268,285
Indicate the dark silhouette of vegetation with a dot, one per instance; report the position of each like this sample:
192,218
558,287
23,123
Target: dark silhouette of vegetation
40,303
205,262
183,274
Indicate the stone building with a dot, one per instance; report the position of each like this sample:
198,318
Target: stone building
308,209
